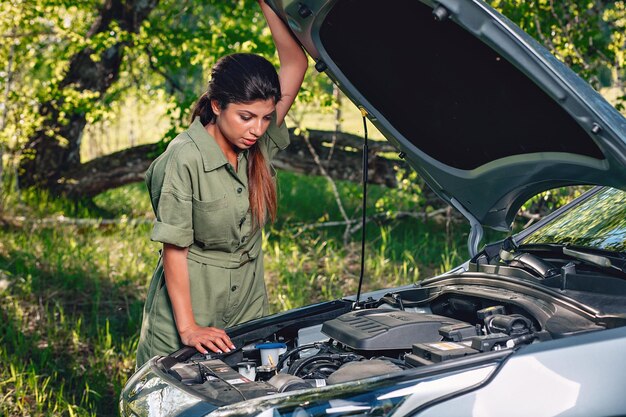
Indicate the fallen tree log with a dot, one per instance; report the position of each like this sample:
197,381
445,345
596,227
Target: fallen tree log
341,156
129,165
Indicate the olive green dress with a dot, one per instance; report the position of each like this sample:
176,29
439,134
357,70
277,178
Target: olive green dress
200,202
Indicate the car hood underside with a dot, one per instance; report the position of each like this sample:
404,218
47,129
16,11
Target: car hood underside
485,114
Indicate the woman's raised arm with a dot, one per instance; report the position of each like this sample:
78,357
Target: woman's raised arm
293,61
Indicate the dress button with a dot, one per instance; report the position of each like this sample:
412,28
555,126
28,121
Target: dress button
239,190
233,288
243,239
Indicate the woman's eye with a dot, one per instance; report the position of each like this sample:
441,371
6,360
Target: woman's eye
245,118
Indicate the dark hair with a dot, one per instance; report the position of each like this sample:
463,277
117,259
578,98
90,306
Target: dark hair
243,78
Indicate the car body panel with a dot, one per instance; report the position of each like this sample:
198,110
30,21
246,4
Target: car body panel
541,380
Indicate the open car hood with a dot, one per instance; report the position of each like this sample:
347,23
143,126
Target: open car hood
486,115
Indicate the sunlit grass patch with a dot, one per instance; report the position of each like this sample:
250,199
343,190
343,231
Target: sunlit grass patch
312,269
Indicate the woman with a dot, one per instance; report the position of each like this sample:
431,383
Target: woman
212,191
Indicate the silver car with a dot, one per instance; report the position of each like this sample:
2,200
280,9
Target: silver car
534,325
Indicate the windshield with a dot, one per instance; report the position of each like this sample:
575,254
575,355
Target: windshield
598,222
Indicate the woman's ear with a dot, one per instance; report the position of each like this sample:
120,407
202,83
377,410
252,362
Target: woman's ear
215,107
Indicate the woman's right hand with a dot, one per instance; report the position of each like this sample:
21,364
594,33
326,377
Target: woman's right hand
206,337
178,289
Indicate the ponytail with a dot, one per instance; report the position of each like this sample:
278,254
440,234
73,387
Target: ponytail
263,204
203,109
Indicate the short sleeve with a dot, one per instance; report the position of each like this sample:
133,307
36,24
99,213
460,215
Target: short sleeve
173,203
276,137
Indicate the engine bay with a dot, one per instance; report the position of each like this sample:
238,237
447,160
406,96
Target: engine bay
409,329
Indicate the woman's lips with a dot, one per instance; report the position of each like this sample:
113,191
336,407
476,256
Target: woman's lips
249,142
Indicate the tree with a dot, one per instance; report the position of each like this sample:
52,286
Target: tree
82,70
68,63
54,147
588,35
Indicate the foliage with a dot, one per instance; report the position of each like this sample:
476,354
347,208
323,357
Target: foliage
181,41
27,70
589,36
407,197
548,201
172,51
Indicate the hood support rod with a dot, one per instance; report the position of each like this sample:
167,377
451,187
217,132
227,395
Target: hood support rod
364,217
476,229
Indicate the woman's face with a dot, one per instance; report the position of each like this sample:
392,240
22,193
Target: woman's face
242,124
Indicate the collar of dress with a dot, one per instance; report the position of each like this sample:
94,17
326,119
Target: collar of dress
212,155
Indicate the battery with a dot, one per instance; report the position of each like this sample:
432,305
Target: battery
426,353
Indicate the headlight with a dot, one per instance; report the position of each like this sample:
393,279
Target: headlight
149,394
372,397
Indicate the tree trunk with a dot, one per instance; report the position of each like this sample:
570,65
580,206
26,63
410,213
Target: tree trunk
346,160
55,147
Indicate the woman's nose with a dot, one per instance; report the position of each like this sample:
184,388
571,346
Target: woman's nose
257,128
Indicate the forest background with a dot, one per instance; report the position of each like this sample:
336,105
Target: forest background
90,93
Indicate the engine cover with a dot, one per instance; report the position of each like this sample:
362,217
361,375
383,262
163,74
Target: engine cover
378,329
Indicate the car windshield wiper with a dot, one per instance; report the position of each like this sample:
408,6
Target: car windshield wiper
591,257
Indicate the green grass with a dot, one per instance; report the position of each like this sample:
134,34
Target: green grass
70,314
72,295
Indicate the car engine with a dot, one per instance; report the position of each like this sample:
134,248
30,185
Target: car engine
355,345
